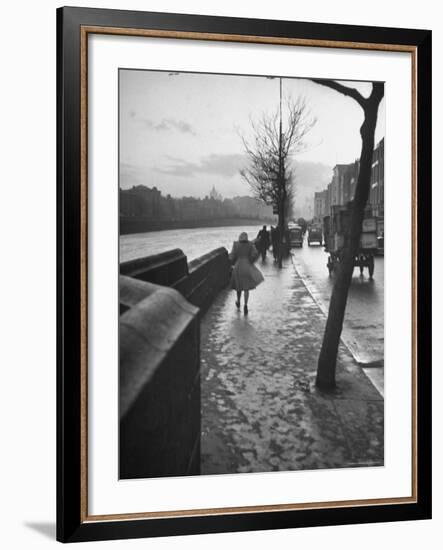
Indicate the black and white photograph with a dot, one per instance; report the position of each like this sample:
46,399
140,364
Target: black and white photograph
251,273
218,320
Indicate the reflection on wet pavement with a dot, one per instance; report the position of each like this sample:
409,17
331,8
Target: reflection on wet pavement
260,408
363,329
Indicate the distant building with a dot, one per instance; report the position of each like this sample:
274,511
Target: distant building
376,196
320,204
215,195
343,183
140,201
251,207
341,190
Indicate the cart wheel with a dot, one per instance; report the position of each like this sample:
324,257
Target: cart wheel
371,266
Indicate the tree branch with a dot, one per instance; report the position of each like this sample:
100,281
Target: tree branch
345,90
378,91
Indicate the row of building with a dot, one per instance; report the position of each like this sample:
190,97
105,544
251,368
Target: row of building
148,203
342,187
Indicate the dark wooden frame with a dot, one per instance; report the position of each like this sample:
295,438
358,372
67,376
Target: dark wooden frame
73,522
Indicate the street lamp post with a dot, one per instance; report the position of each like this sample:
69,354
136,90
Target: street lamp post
281,197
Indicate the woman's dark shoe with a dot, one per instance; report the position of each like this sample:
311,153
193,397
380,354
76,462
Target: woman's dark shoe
237,305
245,310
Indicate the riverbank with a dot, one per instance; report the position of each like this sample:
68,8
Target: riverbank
130,226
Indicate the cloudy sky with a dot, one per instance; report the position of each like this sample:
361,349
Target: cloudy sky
181,132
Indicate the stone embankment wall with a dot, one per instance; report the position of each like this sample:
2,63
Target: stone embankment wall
199,281
160,302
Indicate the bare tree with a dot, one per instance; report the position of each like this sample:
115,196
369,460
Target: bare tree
269,151
337,306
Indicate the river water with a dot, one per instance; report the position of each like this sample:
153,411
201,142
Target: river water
193,242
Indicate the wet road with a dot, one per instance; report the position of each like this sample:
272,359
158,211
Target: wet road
363,330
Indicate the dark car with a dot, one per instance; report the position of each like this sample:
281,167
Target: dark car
295,235
315,235
380,245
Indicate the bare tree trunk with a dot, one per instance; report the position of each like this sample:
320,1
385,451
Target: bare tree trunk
281,222
331,340
281,225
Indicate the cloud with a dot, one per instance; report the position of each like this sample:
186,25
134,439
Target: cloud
130,175
227,165
169,124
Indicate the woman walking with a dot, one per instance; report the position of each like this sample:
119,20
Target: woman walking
245,276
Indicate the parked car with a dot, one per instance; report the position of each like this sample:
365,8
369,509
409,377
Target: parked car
380,245
295,235
315,235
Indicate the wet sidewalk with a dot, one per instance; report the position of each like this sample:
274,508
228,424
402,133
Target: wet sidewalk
260,408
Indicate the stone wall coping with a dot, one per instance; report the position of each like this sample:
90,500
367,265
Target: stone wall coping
148,331
134,267
197,262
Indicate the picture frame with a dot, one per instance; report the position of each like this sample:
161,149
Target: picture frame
75,213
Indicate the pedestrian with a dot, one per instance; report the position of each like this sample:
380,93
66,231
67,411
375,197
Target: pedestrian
263,242
245,276
275,239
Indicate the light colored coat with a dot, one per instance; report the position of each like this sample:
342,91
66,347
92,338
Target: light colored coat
245,276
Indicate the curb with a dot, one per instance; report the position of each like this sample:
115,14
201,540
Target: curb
347,344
